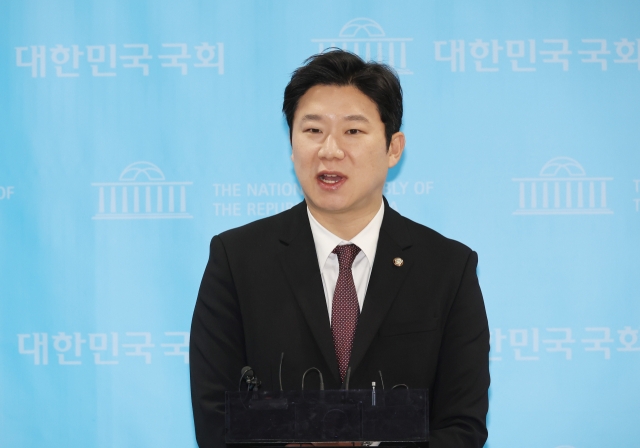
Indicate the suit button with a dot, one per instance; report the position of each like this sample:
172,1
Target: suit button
397,262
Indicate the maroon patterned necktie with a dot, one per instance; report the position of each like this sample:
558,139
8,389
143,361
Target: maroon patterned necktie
345,308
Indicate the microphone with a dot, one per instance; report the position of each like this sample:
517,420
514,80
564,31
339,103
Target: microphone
346,378
319,374
252,381
280,370
381,380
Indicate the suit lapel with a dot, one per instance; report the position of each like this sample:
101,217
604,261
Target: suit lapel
385,282
300,264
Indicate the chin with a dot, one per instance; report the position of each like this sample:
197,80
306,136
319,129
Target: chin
330,204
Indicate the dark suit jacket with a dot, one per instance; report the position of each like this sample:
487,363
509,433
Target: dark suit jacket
422,324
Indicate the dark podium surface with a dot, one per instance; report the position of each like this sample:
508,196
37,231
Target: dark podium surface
393,415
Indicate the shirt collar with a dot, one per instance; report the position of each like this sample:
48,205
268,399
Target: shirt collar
366,240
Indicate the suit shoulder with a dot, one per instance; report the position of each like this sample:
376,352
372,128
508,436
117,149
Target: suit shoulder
258,231
426,236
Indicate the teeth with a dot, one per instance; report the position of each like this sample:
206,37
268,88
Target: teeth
330,178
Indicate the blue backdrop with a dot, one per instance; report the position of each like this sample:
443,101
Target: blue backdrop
132,132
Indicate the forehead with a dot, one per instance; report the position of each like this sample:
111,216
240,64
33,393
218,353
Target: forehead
329,101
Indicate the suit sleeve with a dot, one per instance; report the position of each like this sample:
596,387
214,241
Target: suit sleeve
460,398
216,350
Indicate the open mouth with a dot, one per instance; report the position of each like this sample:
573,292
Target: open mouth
330,178
331,181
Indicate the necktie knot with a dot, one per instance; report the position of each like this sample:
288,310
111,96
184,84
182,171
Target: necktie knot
346,254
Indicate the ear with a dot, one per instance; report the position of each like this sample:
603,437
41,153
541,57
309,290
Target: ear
396,147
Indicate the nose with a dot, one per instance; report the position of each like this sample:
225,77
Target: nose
330,149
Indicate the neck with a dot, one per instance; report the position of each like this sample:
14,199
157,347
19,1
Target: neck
345,225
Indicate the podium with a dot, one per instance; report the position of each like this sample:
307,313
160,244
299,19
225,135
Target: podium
265,417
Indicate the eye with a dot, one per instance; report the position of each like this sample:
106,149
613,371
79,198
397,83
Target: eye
312,130
354,131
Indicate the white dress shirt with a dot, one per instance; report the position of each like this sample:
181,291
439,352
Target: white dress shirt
325,242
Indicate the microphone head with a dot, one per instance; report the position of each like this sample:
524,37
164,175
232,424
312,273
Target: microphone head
246,371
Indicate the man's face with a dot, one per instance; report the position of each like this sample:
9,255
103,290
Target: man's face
339,150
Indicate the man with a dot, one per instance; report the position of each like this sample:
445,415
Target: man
342,280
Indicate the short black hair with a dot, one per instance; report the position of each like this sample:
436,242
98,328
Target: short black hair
338,67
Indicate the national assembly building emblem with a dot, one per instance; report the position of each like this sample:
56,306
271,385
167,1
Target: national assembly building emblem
562,188
142,192
366,38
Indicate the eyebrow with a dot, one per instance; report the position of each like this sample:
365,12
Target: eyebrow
356,118
316,117
312,117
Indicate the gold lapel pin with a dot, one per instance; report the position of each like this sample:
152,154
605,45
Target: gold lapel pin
397,262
